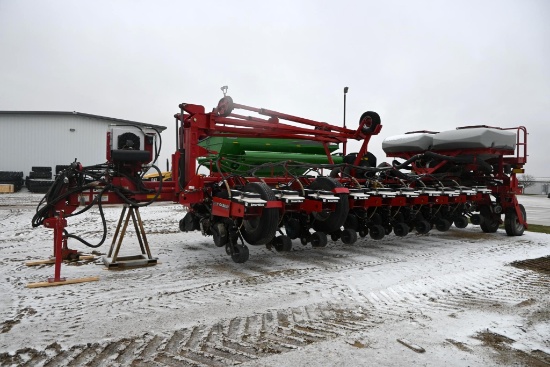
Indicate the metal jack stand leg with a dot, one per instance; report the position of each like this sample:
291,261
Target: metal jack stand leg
112,260
60,250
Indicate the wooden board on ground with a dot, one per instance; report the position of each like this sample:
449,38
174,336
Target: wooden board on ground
6,188
68,281
52,261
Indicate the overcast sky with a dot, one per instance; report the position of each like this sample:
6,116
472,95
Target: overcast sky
423,65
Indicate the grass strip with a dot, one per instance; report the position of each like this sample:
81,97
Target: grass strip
539,228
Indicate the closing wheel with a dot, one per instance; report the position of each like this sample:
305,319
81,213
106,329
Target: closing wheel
490,224
423,227
442,225
335,236
349,236
318,239
377,232
476,219
461,222
511,222
282,244
240,254
490,221
261,230
387,228
401,229
363,232
330,222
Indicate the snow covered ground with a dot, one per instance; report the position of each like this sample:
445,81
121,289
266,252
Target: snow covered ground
456,298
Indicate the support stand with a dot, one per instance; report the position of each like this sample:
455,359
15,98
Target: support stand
61,252
112,260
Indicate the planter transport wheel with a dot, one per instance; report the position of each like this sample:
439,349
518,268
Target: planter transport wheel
330,222
511,222
260,230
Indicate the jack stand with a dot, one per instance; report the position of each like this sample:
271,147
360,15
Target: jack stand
112,260
60,251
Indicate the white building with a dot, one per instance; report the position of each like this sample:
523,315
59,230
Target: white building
48,138
541,185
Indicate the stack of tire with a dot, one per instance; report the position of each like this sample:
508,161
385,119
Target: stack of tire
39,179
12,178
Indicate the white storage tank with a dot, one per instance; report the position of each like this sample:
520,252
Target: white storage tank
409,142
475,137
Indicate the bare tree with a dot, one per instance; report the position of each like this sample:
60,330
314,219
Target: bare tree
526,180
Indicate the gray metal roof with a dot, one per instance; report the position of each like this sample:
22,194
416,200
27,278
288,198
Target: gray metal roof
111,119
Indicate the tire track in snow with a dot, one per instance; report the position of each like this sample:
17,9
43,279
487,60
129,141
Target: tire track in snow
241,339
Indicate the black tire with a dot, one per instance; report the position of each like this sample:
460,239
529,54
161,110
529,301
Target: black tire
377,232
363,232
282,244
511,222
489,220
443,225
349,236
461,222
40,186
490,224
41,169
189,223
401,229
318,239
10,176
423,227
330,222
375,118
335,236
182,224
240,254
261,230
18,185
476,219
225,106
220,235
44,175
